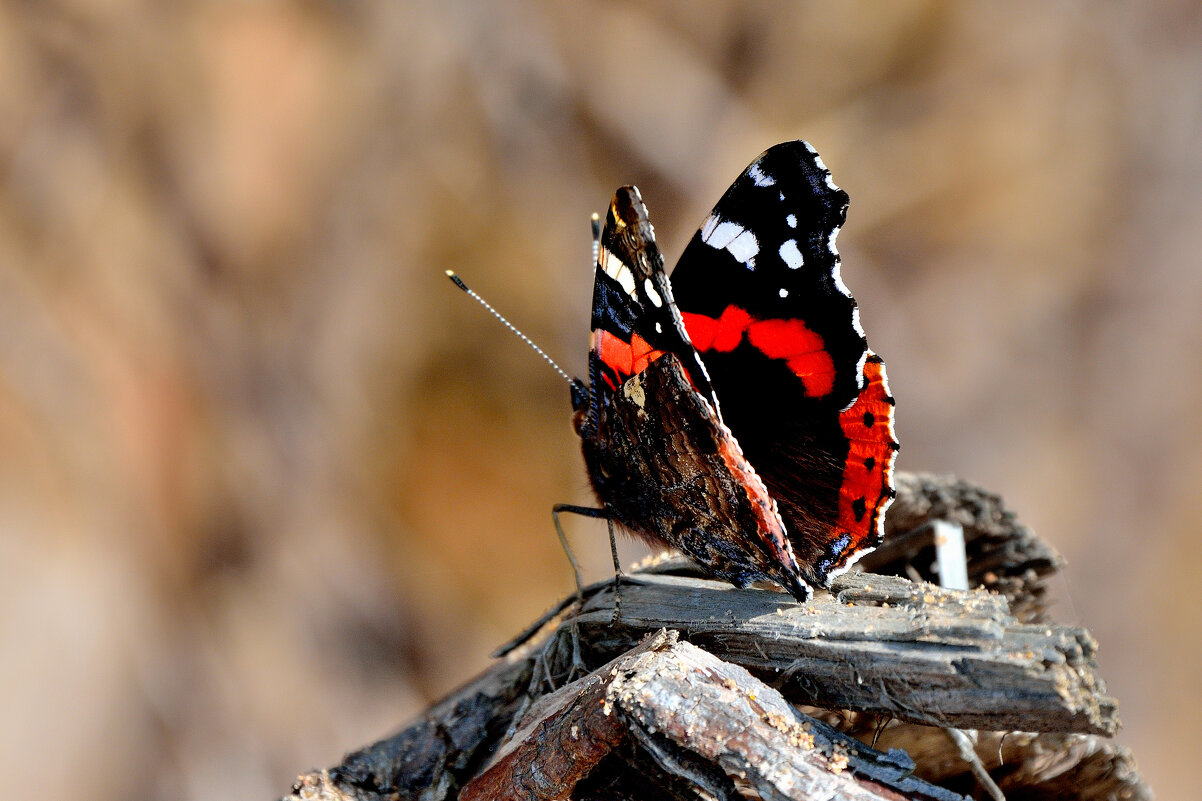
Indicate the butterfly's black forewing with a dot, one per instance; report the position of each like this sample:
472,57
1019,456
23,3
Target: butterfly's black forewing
761,294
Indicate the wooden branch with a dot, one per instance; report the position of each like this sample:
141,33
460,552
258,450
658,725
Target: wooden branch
1060,765
1004,556
691,711
877,643
430,758
880,644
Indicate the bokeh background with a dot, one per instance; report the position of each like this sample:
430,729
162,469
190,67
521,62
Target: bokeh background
269,484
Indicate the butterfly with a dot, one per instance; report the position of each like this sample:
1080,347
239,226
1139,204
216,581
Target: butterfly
735,412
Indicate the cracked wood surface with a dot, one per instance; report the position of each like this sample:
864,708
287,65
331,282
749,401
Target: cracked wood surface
879,644
691,711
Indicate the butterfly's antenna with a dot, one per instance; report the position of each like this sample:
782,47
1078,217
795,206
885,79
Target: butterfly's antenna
596,236
459,283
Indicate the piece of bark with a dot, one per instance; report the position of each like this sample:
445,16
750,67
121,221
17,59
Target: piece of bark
877,643
896,650
703,721
1003,555
880,644
430,758
1038,766
1024,765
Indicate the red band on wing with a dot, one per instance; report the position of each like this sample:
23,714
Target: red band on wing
867,486
788,340
624,358
723,334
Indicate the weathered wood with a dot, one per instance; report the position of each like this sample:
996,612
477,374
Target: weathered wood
1024,764
1004,556
559,740
692,712
878,656
430,758
876,643
880,644
1050,765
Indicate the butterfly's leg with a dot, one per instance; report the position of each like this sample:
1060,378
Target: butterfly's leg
613,550
584,511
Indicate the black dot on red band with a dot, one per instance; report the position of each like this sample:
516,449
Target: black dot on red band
858,507
868,419
869,463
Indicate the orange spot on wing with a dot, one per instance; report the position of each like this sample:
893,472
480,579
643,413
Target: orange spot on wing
702,330
802,349
868,472
624,358
722,334
642,354
791,341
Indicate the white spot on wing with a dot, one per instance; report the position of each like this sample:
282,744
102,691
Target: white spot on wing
659,329
784,293
610,263
744,247
791,255
721,234
618,271
635,390
860,380
836,274
858,555
652,294
726,235
759,176
827,173
791,220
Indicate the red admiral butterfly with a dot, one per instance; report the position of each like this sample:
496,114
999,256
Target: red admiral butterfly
736,413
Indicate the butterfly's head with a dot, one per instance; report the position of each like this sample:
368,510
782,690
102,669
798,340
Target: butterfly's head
579,395
583,420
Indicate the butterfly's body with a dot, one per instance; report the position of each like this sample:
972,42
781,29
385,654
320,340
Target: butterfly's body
756,331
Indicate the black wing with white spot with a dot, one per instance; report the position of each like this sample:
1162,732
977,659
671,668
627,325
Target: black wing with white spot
768,248
762,299
634,313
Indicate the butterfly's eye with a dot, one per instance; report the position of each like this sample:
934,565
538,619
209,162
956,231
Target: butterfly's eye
579,394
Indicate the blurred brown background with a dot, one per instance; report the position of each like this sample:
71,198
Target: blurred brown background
269,483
